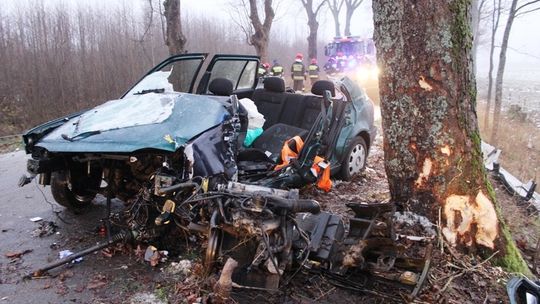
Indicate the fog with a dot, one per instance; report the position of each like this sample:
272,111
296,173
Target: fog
523,57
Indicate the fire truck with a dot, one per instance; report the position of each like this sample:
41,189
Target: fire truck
352,55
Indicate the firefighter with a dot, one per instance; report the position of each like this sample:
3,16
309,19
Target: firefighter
298,73
263,70
313,71
277,69
341,62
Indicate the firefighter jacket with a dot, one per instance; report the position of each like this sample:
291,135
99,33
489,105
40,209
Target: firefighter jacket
262,71
313,71
298,71
277,70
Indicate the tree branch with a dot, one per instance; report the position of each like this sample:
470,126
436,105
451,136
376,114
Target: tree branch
254,15
319,7
526,4
526,12
268,14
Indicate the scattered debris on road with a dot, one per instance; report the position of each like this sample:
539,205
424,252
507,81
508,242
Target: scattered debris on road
45,228
65,253
17,255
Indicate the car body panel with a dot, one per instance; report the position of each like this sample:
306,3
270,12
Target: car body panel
358,117
155,114
97,131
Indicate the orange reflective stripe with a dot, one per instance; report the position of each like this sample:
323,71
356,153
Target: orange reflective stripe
325,183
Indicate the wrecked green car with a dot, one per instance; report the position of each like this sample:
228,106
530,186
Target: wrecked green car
175,149
180,118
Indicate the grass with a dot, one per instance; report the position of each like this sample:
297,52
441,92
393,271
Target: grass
519,140
10,144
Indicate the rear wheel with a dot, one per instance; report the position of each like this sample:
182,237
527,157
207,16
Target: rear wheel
72,191
355,159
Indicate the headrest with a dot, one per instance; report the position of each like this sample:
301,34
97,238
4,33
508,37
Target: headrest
221,87
320,86
274,84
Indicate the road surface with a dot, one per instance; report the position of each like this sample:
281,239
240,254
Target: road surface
97,279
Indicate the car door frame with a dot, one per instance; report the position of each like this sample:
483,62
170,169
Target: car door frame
174,58
204,82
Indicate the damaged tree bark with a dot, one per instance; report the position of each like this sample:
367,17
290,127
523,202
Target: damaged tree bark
433,157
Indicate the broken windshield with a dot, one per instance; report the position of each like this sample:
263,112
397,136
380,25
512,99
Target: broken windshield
176,76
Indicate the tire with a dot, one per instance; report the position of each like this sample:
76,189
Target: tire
355,158
66,196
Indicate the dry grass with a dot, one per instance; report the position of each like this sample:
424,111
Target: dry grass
519,141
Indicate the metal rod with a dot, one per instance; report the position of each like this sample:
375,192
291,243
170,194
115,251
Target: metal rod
121,236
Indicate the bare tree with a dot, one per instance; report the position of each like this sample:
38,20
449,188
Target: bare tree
516,10
433,157
495,17
246,16
478,8
261,30
176,40
313,25
335,7
351,6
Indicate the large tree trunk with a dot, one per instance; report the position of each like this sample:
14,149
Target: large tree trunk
335,8
261,30
313,25
337,26
175,39
496,15
348,17
312,38
500,73
476,14
433,157
351,6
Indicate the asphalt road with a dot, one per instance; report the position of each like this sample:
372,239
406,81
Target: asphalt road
97,279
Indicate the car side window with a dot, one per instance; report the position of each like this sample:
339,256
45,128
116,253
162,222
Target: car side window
176,76
181,74
248,76
240,72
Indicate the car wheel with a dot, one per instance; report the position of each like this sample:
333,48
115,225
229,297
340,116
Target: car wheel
65,195
355,159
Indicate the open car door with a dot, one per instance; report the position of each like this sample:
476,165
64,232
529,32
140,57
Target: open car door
175,74
241,70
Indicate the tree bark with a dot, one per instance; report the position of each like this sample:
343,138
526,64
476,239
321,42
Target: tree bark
432,146
500,73
175,39
261,30
495,17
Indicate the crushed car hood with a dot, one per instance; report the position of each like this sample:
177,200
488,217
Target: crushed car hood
161,121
